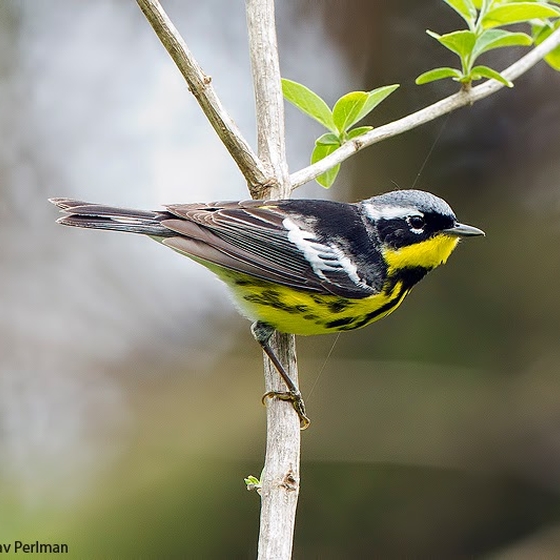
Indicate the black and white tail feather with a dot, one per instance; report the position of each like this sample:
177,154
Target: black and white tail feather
97,216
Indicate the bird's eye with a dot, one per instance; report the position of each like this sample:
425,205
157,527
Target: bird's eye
416,222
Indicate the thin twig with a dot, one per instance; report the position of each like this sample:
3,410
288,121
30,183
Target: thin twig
425,115
280,477
200,86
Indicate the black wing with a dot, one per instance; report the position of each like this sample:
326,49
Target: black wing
278,241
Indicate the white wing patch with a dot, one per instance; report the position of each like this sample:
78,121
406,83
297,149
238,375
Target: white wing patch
322,258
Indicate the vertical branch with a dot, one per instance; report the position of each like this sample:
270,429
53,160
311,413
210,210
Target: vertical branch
280,478
268,94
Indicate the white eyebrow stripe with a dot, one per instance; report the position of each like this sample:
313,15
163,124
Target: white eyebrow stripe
391,212
322,258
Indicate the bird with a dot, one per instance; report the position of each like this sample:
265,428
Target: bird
300,266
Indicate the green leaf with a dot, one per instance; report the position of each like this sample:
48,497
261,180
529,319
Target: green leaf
252,483
460,42
438,74
355,132
252,480
465,8
553,59
375,97
354,106
329,138
308,102
479,72
497,38
517,12
320,152
538,27
541,33
348,108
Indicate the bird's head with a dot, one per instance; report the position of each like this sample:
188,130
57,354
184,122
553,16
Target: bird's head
416,229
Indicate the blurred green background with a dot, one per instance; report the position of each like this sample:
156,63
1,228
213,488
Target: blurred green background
129,387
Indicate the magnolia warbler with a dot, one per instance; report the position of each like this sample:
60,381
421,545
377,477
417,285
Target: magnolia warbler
300,266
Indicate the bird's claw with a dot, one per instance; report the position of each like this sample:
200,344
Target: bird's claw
297,402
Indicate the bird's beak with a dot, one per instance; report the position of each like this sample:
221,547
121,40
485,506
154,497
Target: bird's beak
463,230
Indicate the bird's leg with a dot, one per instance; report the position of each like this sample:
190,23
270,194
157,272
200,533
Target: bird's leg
262,333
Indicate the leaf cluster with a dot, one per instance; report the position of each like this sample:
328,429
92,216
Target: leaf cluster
484,33
485,20
347,111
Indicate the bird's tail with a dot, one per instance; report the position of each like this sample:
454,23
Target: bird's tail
96,216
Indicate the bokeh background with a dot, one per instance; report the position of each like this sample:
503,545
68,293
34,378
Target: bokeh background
130,388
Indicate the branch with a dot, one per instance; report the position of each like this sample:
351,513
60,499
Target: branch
425,115
200,86
268,92
280,477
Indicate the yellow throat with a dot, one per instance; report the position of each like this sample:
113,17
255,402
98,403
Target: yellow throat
426,254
